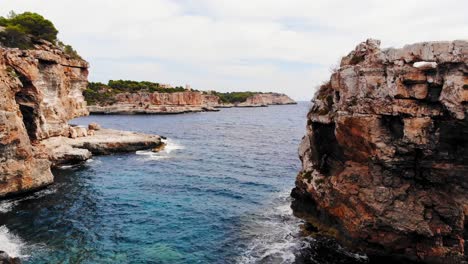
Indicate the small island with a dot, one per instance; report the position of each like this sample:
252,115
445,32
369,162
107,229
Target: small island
132,97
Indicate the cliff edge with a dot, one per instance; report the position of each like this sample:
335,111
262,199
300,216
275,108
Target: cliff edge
41,91
385,156
131,97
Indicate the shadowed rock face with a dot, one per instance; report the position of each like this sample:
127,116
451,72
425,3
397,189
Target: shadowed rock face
385,156
41,90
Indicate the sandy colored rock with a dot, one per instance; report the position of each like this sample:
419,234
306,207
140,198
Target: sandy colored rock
41,91
20,169
385,155
266,99
181,102
94,126
66,151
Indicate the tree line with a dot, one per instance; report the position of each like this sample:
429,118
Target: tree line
26,29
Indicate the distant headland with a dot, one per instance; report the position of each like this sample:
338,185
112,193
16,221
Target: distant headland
132,97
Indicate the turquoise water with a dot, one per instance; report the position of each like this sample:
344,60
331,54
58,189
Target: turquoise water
219,193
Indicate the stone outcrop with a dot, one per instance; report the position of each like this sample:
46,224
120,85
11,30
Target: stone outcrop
41,90
181,102
265,99
158,103
385,157
71,151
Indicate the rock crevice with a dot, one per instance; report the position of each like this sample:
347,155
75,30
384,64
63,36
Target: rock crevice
41,90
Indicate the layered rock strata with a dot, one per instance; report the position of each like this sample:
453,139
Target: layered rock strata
385,157
180,102
70,151
158,103
41,89
266,99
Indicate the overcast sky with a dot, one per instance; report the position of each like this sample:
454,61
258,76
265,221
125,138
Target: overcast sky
284,46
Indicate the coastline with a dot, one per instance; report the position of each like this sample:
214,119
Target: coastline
128,109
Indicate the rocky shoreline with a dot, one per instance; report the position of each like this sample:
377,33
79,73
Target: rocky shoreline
130,109
41,91
96,141
384,159
180,103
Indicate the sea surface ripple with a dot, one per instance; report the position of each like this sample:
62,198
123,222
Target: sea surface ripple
218,193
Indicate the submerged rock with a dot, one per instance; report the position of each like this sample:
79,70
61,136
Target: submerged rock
385,157
5,259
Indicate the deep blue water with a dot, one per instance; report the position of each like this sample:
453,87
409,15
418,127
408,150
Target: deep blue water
219,193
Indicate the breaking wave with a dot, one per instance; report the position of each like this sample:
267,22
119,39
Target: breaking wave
170,148
274,235
10,243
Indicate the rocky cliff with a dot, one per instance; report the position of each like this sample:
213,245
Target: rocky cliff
265,99
179,102
385,157
154,103
41,91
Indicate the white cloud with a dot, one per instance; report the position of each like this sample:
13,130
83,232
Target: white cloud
282,45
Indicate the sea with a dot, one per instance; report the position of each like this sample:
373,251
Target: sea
218,193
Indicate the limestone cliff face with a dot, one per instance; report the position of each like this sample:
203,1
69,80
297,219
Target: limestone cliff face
180,102
158,103
268,99
385,156
52,87
176,99
41,90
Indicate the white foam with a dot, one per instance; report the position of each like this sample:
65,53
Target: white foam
10,243
168,151
275,235
6,206
171,146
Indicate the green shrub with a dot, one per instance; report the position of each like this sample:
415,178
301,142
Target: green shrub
234,97
67,49
134,86
104,94
15,36
35,25
21,30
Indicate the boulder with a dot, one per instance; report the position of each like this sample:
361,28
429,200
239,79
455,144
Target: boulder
94,126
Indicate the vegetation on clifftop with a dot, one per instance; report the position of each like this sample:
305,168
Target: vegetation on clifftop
103,94
26,29
234,97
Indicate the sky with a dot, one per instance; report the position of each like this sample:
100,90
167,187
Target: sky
287,46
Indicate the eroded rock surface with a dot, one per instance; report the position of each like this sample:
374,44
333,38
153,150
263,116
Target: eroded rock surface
385,157
41,90
181,102
70,151
266,99
158,103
